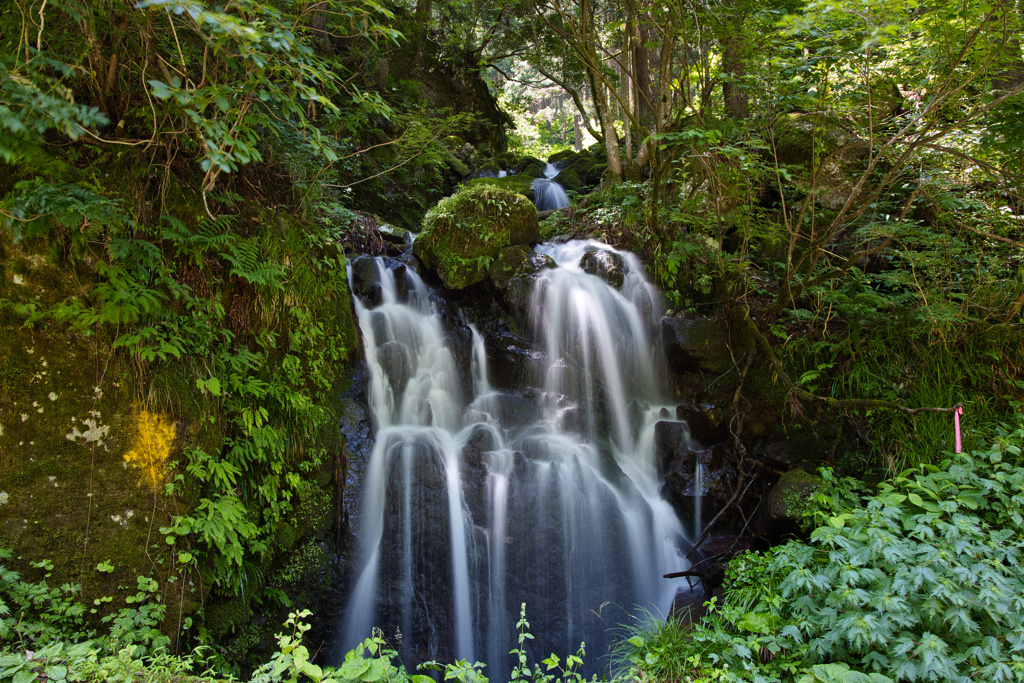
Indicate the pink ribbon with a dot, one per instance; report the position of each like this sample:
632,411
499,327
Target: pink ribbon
958,410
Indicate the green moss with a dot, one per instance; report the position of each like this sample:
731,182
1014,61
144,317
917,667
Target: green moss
596,174
568,156
506,160
457,165
227,617
508,263
464,233
514,183
533,171
526,162
569,180
793,495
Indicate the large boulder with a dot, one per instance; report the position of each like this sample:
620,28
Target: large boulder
464,234
803,140
789,501
527,162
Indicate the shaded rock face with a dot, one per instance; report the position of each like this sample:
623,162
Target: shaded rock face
453,84
365,280
465,234
679,456
696,345
842,156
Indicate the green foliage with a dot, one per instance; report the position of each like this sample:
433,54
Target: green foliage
37,98
919,582
36,615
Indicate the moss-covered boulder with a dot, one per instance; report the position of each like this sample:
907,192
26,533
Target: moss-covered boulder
533,171
807,144
488,169
522,184
464,234
887,101
581,167
596,174
569,180
566,157
506,160
793,496
526,162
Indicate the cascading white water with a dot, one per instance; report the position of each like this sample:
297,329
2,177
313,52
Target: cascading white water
547,193
471,508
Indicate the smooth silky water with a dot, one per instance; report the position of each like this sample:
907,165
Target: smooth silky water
471,508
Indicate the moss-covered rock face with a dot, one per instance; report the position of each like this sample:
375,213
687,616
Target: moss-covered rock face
793,495
805,141
464,234
82,465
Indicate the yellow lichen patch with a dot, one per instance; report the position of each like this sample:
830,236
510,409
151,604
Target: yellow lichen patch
153,440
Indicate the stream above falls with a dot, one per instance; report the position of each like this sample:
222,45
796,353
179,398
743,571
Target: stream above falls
475,499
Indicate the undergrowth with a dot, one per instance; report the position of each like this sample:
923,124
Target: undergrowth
917,582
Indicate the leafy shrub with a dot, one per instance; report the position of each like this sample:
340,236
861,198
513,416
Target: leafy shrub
920,583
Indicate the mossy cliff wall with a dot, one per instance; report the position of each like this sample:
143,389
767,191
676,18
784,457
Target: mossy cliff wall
102,447
70,424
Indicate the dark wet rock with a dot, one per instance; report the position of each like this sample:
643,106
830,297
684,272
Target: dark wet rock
394,358
519,289
395,235
366,280
511,360
709,423
474,470
696,345
604,264
357,431
679,455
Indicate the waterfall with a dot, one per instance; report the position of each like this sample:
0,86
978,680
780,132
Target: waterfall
477,500
547,193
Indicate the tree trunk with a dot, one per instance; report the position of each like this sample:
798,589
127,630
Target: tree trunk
734,67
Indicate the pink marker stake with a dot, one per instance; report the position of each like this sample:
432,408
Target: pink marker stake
958,410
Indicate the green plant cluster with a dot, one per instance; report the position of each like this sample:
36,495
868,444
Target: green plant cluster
918,582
